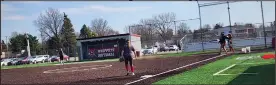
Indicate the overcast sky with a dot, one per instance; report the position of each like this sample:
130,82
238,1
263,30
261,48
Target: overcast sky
19,16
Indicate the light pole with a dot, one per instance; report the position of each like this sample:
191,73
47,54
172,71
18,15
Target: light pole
263,23
7,45
229,17
275,42
200,25
28,45
175,34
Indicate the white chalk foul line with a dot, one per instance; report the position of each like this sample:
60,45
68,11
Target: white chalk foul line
224,69
93,67
174,69
255,63
238,74
219,73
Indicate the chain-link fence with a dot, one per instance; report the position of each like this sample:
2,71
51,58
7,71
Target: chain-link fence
243,36
72,52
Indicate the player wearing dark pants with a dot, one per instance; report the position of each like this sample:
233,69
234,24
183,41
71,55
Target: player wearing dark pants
230,44
222,42
61,56
128,57
128,60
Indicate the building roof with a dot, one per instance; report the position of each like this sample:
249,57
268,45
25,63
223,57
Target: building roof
110,36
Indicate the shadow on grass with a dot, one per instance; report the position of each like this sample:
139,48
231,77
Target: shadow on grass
265,76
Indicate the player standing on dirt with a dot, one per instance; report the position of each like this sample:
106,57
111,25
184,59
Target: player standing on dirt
128,57
61,56
222,41
230,44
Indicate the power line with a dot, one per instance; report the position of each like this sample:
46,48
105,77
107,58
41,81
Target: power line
216,3
166,22
263,23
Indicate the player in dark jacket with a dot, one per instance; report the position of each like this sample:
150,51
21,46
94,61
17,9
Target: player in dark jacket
127,53
230,44
222,41
61,56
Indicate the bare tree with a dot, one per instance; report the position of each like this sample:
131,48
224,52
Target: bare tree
50,24
218,25
164,24
182,29
146,29
112,32
157,28
100,26
13,34
206,27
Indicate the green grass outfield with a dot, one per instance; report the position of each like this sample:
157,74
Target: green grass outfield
181,54
243,72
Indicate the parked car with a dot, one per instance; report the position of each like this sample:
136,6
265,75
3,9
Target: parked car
6,62
38,58
47,58
150,50
56,58
53,58
164,49
156,47
16,61
26,60
173,48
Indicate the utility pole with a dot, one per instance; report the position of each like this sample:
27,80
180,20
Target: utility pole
275,37
273,28
201,34
28,45
7,45
175,35
229,17
263,23
1,47
152,41
129,29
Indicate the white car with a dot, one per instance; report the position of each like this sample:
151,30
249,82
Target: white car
173,47
5,62
150,50
39,58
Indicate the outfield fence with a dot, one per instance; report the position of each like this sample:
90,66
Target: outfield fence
209,41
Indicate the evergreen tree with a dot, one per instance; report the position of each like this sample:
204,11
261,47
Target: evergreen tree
68,36
19,42
85,32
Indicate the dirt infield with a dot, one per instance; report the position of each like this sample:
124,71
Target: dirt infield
101,72
109,75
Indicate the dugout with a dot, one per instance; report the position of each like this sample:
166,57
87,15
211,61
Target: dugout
106,47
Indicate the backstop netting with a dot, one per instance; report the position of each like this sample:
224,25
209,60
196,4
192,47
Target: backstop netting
241,38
